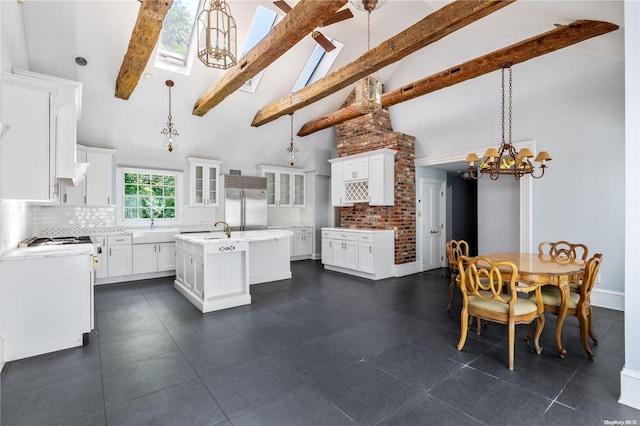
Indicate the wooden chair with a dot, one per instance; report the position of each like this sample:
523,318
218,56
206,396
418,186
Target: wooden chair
579,302
455,249
566,250
485,299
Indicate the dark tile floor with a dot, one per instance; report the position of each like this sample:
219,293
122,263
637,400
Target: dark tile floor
320,349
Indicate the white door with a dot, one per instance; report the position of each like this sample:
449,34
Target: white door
432,226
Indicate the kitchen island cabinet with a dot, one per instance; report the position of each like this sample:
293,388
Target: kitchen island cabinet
214,272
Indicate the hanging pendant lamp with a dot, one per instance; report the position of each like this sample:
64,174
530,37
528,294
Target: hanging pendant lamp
169,132
369,88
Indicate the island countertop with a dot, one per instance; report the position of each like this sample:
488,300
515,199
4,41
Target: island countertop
219,237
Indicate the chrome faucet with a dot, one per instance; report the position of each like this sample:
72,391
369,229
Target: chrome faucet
227,228
153,224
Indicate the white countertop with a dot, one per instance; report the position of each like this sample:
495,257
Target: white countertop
219,237
49,251
357,230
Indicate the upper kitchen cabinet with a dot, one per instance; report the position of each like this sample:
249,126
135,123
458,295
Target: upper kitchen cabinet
97,188
286,187
363,178
204,182
30,116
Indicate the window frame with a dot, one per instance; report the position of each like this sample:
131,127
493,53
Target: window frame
120,196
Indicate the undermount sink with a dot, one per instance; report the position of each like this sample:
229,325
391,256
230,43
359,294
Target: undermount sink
157,235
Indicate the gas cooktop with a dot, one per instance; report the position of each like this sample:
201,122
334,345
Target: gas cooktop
52,241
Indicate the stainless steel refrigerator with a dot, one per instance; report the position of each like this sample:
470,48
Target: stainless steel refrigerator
245,202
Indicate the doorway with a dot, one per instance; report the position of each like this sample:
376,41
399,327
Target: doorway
431,212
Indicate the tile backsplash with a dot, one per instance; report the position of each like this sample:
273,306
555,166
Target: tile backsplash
19,221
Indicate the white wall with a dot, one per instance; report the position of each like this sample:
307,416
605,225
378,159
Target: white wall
499,214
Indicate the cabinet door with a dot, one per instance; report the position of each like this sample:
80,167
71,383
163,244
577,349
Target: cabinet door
166,256
27,160
365,257
180,266
189,272
120,260
337,185
327,251
145,258
299,190
271,188
351,255
76,195
356,169
198,277
381,181
103,257
212,185
303,243
204,183
99,179
284,189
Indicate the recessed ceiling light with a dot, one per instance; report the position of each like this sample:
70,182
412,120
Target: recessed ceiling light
81,61
147,76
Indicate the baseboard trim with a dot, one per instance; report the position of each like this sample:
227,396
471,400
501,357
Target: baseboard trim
407,269
607,299
630,388
136,277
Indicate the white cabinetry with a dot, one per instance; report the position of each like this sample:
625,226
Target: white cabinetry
28,161
363,178
96,189
119,253
302,243
102,270
204,182
154,257
286,187
366,253
269,260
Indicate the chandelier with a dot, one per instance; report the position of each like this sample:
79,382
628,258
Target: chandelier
292,148
369,88
217,35
506,160
170,133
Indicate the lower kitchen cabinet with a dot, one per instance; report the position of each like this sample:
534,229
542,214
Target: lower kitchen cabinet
119,251
366,253
269,260
153,257
301,243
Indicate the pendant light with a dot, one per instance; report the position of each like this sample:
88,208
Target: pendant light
217,35
369,88
292,148
169,132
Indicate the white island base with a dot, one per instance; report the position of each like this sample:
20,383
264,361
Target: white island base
214,272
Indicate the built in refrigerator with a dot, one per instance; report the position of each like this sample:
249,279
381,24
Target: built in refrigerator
245,202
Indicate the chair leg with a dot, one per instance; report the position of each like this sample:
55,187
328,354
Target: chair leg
452,289
529,332
583,319
512,338
536,339
591,333
464,324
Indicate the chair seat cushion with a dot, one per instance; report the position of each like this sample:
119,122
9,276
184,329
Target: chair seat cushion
521,307
551,296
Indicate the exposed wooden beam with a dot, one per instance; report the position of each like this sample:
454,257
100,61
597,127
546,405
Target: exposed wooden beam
533,47
297,24
143,40
444,21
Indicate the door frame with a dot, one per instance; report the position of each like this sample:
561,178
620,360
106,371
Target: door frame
526,187
419,219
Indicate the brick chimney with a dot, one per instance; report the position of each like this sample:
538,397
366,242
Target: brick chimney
367,133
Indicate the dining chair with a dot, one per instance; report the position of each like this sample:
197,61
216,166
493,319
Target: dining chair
579,302
482,284
567,251
455,249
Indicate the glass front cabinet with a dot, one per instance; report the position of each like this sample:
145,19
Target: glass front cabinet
204,182
285,187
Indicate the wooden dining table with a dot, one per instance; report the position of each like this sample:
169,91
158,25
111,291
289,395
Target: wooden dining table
544,269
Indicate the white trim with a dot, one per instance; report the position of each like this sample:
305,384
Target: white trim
526,187
629,385
607,299
407,269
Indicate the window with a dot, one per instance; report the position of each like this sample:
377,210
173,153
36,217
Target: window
147,194
318,65
263,21
175,45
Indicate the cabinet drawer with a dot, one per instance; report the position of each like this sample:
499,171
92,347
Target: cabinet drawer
327,234
368,238
348,236
117,240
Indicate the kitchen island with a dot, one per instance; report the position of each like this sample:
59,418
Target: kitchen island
214,272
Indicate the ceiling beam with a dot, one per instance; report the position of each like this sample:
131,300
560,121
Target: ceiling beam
143,40
296,25
444,21
530,48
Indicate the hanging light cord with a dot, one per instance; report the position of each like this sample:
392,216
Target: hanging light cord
369,30
510,103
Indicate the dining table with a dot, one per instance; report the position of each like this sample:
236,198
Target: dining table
544,269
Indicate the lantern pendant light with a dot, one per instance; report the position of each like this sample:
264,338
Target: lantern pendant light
217,35
369,88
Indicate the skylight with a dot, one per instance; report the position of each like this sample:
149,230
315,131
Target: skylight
263,21
318,65
175,45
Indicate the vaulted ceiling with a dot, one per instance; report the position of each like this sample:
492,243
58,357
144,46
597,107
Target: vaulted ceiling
55,32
